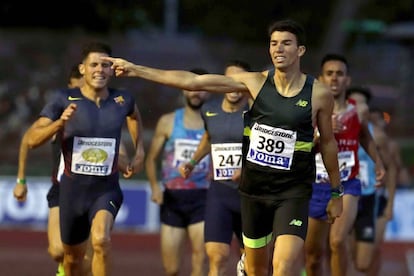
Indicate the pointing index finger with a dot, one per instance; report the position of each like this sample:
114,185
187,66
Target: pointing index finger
109,59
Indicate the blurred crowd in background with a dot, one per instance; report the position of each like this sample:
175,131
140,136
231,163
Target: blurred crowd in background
36,63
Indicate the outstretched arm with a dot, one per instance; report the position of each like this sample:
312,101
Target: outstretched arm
184,80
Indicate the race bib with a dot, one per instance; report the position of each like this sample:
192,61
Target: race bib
183,151
93,156
226,159
271,147
346,162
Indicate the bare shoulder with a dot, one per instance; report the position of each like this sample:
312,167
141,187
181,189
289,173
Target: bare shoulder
165,124
253,81
166,119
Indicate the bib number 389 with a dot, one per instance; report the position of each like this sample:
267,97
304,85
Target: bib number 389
271,147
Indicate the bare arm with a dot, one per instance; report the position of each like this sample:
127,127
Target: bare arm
202,150
123,161
179,79
323,102
135,127
393,167
369,145
20,189
388,153
45,128
327,143
23,152
161,134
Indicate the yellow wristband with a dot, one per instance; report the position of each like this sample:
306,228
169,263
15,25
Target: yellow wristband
21,181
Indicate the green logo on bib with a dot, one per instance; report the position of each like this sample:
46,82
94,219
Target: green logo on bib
94,155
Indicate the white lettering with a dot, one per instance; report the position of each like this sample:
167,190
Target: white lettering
92,169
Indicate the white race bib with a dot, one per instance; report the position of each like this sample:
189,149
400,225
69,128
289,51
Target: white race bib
271,147
93,156
226,159
184,150
346,162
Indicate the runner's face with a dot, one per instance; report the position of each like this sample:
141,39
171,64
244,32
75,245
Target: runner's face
195,99
96,72
334,74
284,49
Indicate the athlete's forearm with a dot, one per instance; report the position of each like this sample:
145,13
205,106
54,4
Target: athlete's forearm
135,127
370,147
184,80
203,148
329,152
23,152
391,180
136,131
175,78
123,158
150,168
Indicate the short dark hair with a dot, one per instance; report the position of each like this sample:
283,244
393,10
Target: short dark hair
291,26
74,72
95,47
364,91
337,57
199,71
238,63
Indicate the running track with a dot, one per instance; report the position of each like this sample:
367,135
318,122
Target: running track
23,253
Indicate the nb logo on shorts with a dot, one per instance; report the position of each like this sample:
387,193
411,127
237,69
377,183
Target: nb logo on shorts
296,222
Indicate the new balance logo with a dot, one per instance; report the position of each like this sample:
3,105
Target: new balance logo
70,98
302,103
296,222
